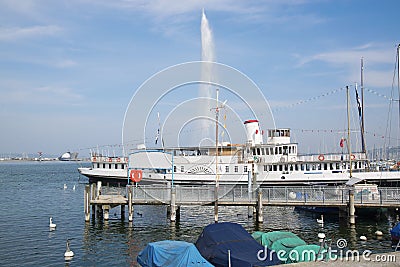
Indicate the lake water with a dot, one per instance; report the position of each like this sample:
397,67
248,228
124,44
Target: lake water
31,192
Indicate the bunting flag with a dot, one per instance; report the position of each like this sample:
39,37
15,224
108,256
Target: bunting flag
342,142
358,104
158,135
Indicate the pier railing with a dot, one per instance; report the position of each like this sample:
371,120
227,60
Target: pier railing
270,195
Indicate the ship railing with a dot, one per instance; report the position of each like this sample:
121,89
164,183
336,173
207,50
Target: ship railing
295,195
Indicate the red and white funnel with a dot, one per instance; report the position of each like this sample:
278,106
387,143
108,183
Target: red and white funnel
253,133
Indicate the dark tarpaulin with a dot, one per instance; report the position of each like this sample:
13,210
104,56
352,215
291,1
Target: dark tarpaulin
216,239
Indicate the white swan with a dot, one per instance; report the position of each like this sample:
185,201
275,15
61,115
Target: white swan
321,221
379,233
73,188
65,186
52,225
363,238
68,253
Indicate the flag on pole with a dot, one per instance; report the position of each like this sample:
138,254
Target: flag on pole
358,104
342,142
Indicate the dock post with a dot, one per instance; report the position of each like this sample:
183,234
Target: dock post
122,212
352,209
92,197
130,206
106,211
87,203
216,203
98,193
260,217
173,205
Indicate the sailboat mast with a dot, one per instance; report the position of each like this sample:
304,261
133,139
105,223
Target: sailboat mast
348,128
398,79
362,109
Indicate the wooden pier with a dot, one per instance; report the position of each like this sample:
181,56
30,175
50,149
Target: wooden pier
99,200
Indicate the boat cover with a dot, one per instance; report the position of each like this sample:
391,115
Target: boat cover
307,253
395,232
285,245
216,239
170,253
267,239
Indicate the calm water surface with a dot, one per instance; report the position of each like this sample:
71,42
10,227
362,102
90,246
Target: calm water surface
31,192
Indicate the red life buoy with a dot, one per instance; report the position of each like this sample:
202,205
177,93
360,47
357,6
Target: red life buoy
109,159
94,158
118,160
136,175
321,157
352,157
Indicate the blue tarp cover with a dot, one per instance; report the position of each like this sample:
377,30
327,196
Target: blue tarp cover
395,231
216,239
170,253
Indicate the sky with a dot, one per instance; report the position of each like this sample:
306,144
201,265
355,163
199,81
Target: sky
69,69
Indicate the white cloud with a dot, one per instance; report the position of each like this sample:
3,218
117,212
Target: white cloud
15,33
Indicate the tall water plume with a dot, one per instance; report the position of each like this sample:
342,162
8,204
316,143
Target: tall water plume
207,54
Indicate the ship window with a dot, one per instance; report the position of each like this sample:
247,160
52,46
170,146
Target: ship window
313,167
270,168
182,168
276,151
245,169
174,168
263,151
337,166
254,151
267,151
104,165
275,168
296,167
307,167
116,166
280,150
325,166
302,167
280,168
258,151
226,168
286,167
319,166
122,166
109,166
291,168
98,165
265,168
236,168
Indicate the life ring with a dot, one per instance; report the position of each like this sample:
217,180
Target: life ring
136,175
118,160
94,158
321,157
109,159
352,157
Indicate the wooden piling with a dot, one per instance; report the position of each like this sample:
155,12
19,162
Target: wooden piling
216,203
130,206
173,205
106,212
352,209
87,203
260,217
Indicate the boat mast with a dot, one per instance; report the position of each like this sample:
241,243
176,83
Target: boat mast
216,160
398,79
348,129
362,109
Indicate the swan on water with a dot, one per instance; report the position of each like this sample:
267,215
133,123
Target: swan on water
68,253
363,238
52,225
379,233
73,188
65,186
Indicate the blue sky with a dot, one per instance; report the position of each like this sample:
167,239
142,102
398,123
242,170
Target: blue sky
68,69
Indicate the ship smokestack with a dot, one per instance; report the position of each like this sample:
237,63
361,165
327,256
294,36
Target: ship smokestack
253,133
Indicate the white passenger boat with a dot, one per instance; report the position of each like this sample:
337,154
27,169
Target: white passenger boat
275,162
